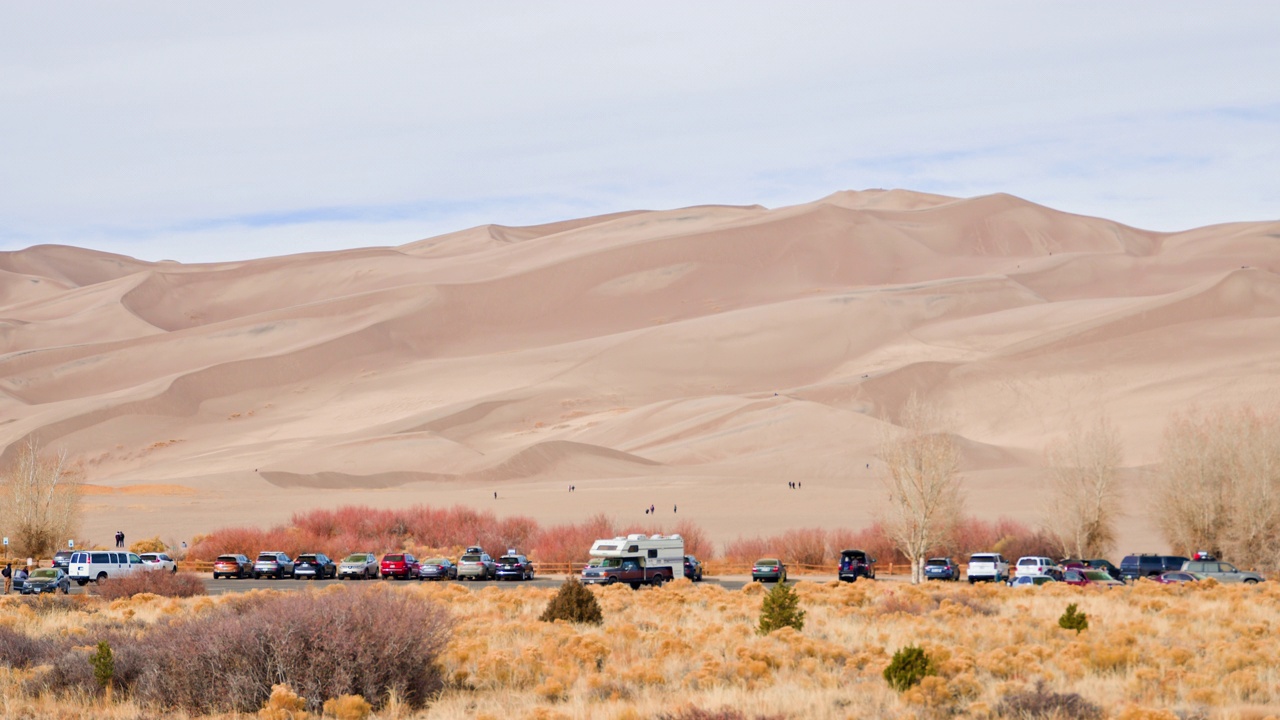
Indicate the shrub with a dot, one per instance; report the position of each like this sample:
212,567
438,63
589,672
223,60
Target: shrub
1072,620
347,641
104,664
149,545
1041,704
151,581
347,707
781,608
694,713
284,704
17,650
909,666
574,603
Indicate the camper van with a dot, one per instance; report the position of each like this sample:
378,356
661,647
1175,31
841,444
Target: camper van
636,560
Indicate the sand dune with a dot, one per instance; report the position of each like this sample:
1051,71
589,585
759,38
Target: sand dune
701,358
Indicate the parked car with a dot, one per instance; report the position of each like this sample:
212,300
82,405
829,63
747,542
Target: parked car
513,567
1087,577
1030,581
769,570
475,564
273,564
158,561
363,566
1221,571
1104,565
1034,565
855,564
316,566
989,567
1133,567
236,566
437,569
1176,576
941,568
693,568
46,580
62,559
402,566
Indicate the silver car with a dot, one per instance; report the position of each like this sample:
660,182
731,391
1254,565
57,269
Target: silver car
1221,571
361,566
475,564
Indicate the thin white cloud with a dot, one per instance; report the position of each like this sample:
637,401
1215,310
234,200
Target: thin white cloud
249,129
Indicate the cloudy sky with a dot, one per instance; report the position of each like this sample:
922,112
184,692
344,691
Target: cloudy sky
216,131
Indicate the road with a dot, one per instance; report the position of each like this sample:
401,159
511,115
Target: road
223,586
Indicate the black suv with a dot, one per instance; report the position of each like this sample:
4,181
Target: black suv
855,564
1133,567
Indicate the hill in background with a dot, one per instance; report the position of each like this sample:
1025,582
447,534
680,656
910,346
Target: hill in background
700,358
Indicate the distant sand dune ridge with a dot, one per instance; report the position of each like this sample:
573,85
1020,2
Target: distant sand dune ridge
693,360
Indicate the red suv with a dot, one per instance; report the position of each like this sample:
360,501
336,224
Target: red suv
399,565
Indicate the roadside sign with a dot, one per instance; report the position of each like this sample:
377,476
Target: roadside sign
71,544
6,541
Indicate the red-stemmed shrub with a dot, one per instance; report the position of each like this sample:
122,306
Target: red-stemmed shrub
158,582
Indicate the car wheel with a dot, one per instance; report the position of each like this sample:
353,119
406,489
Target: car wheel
66,589
101,576
1250,581
635,586
82,583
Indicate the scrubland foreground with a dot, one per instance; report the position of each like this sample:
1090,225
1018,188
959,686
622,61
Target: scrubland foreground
680,651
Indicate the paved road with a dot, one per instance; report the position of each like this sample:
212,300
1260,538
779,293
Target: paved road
223,586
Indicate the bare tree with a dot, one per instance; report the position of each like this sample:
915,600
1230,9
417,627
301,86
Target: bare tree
41,501
1219,487
1084,493
922,478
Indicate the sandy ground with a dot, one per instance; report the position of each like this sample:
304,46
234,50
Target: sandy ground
697,359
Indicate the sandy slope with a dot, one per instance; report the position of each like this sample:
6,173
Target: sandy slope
699,358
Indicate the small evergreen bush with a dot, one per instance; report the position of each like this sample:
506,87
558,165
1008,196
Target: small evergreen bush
1072,620
909,666
781,609
104,665
574,603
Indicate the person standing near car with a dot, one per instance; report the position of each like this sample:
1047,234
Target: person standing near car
7,572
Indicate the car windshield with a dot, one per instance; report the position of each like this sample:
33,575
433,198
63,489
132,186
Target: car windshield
266,558
150,557
307,559
393,558
44,574
508,560
938,562
1097,576
982,559
470,558
227,559
767,563
611,562
435,561
357,558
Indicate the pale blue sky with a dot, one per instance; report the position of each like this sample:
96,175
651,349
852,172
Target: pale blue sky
236,130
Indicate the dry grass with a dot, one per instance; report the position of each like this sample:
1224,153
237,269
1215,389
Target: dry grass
688,650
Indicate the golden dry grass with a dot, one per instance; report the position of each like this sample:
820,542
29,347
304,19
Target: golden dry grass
1150,651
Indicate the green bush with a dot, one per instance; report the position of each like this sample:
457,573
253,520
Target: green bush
574,603
104,664
1072,620
909,666
781,609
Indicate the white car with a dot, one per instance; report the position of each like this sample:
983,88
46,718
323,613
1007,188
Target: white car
991,567
1034,565
158,561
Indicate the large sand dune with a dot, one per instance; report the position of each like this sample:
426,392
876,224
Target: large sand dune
699,358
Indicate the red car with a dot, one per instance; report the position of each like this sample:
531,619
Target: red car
1083,577
399,565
